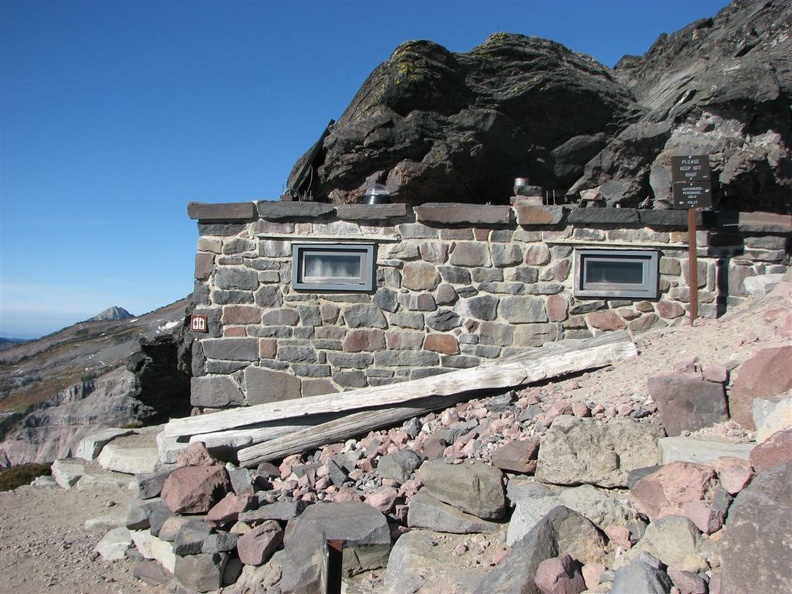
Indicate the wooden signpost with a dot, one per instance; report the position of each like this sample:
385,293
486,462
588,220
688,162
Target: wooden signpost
692,189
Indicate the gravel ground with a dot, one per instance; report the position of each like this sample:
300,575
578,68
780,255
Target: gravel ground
45,546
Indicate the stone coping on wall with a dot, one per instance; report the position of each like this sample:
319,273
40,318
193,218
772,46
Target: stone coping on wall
461,214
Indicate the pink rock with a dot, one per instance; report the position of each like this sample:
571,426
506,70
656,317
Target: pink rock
592,574
229,508
382,499
195,454
557,409
688,365
256,546
766,374
580,409
715,373
287,466
701,513
559,575
733,473
664,492
517,456
687,582
619,535
195,489
777,449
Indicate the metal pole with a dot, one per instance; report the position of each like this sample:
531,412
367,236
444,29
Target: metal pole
692,265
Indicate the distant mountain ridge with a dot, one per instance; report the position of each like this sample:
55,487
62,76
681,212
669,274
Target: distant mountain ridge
7,343
111,314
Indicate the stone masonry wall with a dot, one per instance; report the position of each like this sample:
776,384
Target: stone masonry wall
456,285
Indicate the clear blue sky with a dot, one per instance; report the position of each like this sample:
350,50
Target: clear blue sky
115,114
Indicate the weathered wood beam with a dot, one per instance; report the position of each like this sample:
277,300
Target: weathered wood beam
550,361
342,429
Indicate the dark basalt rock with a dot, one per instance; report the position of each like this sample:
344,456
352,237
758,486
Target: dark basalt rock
434,125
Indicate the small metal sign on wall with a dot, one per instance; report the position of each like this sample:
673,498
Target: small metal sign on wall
199,323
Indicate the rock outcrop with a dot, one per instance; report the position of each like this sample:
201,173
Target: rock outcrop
90,376
428,121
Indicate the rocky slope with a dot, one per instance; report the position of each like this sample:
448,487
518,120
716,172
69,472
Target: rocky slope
433,125
54,389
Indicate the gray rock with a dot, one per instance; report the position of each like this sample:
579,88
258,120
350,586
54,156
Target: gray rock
578,450
67,472
398,466
149,484
687,402
191,537
417,564
114,544
139,515
91,445
643,574
303,560
686,449
364,530
129,460
427,512
560,532
475,488
201,573
755,552
220,542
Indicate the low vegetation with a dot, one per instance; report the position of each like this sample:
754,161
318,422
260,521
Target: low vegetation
16,476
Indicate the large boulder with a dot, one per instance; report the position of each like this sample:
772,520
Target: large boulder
755,553
434,125
578,450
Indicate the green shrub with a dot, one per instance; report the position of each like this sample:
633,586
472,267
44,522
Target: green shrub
16,476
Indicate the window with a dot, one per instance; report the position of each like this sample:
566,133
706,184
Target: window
616,273
332,267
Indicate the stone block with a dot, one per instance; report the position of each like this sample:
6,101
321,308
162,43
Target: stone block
229,211
455,214
481,307
687,402
363,529
195,489
506,255
202,572
537,214
215,392
231,349
579,450
523,310
236,278
266,385
474,488
420,276
128,460
765,375
470,254
371,212
363,340
755,552
278,210
256,546
427,512
114,544
687,449
91,445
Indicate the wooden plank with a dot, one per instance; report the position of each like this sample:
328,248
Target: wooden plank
552,360
342,429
